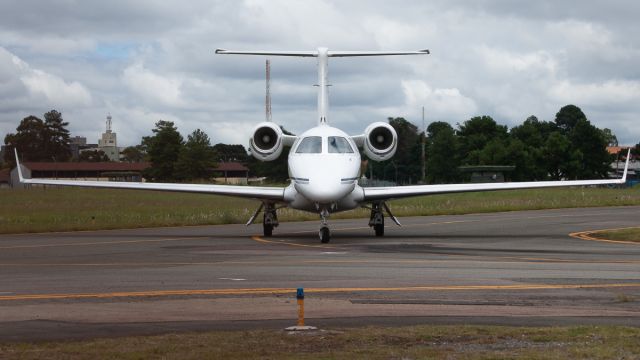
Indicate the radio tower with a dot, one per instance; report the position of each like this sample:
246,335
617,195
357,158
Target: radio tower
267,100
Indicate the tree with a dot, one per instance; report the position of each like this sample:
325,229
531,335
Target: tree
590,141
476,133
562,162
226,152
93,156
163,149
196,159
56,136
533,133
442,154
38,140
28,139
609,137
636,150
134,154
568,117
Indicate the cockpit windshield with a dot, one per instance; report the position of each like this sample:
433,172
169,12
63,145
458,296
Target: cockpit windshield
310,145
339,145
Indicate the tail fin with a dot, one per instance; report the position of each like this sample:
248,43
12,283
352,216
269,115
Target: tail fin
626,167
323,55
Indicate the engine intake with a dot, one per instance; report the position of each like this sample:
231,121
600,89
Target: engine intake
266,143
380,141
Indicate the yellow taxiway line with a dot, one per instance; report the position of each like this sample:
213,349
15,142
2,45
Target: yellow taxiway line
275,291
588,235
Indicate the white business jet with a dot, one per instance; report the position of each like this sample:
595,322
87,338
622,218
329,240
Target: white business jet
324,164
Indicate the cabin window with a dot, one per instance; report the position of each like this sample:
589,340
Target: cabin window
310,145
339,145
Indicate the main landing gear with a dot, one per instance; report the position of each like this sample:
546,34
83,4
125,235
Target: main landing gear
376,220
269,219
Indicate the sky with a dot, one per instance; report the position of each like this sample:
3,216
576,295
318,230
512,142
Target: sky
142,61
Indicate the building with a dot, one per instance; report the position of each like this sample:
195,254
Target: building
227,172
100,171
487,173
231,173
108,143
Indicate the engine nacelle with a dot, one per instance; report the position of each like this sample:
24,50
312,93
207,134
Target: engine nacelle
266,143
380,141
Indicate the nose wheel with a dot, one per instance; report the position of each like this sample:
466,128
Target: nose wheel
325,234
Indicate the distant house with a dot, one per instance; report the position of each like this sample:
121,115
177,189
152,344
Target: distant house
100,171
231,173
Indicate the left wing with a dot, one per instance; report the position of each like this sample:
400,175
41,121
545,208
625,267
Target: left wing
254,192
395,192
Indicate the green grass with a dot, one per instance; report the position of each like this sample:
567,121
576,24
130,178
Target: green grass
631,234
66,209
416,342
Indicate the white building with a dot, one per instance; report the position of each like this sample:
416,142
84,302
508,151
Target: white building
108,143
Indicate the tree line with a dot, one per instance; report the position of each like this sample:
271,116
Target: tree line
570,147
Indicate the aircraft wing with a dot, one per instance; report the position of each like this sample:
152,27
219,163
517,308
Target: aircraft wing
395,192
253,192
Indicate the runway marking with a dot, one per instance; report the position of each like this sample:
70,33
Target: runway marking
275,291
587,235
260,239
232,279
101,243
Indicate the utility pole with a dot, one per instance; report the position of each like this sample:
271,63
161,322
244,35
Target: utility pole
424,161
267,100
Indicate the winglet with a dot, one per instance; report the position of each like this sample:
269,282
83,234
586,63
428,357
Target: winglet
626,168
18,166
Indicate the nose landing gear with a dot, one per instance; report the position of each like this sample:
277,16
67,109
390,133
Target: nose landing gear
325,233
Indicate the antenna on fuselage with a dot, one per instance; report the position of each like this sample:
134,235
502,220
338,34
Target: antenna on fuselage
267,99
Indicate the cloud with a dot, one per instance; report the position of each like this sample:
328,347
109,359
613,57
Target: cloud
152,87
26,84
144,60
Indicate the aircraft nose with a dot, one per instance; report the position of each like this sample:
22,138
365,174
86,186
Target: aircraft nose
325,193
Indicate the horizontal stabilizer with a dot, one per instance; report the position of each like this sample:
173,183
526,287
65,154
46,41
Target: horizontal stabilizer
330,53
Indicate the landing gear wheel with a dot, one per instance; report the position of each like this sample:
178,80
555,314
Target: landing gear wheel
379,228
325,235
267,230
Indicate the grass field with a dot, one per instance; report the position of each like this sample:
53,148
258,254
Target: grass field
631,234
417,342
65,209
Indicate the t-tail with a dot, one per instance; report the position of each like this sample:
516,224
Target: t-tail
323,54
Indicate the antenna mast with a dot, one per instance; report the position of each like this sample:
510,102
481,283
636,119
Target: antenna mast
423,155
267,100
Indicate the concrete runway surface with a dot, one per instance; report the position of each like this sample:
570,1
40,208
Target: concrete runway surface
515,268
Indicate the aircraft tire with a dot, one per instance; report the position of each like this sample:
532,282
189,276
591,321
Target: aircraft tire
325,235
379,228
267,230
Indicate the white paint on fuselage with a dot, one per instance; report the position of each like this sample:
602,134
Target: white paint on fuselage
324,178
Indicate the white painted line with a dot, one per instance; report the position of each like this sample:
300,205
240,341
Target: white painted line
334,252
232,279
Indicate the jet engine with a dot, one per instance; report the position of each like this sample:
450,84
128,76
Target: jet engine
380,141
266,143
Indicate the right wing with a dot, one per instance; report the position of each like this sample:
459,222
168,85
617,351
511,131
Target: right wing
395,192
253,192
